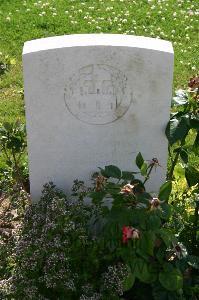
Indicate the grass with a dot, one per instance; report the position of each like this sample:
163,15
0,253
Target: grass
20,21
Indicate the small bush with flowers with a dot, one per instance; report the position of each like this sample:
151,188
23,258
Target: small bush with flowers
117,246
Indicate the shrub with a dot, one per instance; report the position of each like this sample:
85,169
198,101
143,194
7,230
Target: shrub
72,250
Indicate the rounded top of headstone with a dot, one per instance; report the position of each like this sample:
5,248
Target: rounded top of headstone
79,40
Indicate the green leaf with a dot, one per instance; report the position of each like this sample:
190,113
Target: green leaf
196,142
146,242
9,163
139,160
177,129
184,155
97,197
13,61
194,122
128,281
144,198
112,171
192,175
166,211
15,143
172,280
193,261
8,126
144,168
165,191
167,236
153,222
142,271
127,175
159,293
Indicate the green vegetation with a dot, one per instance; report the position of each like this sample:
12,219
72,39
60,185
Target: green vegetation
20,21
127,250
141,247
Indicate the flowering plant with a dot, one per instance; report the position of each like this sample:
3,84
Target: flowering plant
112,248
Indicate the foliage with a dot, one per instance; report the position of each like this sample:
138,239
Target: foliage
11,219
13,147
183,122
117,243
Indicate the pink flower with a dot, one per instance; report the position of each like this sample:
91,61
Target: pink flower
129,233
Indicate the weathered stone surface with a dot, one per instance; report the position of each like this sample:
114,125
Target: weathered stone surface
93,100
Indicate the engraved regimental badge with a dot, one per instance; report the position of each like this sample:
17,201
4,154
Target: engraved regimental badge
97,94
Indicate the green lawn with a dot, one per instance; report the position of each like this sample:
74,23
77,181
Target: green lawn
20,21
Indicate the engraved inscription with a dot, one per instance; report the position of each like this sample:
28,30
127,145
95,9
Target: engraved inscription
97,94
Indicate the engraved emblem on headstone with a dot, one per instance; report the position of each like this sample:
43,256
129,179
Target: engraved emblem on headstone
97,94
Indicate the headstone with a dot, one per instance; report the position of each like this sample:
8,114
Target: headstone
94,100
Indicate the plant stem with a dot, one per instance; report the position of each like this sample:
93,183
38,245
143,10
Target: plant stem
169,150
19,177
174,162
148,174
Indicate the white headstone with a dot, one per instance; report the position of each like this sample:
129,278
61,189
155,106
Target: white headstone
95,100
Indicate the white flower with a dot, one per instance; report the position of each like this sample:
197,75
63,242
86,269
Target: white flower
155,203
179,250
